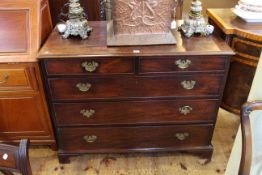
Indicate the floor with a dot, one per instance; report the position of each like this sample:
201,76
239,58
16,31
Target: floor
44,160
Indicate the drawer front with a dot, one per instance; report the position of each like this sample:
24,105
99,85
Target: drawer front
97,66
15,78
247,49
181,64
135,87
135,112
124,138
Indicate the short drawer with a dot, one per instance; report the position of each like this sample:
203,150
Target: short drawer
80,140
135,87
181,64
16,77
93,66
135,112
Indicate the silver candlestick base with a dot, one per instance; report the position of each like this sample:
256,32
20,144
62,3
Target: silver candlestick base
195,23
77,27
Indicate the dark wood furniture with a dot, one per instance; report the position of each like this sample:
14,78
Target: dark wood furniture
133,99
246,40
25,25
247,143
95,9
15,158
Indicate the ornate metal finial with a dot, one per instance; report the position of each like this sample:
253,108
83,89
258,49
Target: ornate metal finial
195,23
77,23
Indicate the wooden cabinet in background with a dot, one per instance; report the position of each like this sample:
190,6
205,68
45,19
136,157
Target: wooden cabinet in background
24,26
23,107
246,40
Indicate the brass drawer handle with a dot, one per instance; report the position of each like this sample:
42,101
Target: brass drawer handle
5,78
87,112
185,110
90,66
183,64
90,138
83,87
182,136
188,84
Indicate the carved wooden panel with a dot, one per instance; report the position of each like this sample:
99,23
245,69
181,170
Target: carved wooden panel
139,17
14,26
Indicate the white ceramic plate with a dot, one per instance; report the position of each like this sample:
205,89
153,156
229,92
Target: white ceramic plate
247,18
255,3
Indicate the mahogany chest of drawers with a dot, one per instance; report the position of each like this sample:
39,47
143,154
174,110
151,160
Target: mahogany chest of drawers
133,99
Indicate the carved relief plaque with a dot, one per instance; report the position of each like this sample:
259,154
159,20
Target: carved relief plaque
141,22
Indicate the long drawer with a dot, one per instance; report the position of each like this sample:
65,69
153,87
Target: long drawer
181,64
91,66
180,137
135,112
135,87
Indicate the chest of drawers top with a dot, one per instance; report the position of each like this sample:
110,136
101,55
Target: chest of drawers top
95,46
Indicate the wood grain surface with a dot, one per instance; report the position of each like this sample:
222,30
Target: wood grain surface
44,161
95,46
136,87
135,112
231,24
106,66
123,139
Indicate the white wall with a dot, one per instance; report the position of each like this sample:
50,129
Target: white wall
256,89
255,94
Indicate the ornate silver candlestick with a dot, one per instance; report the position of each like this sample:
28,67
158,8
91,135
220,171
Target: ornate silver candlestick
76,24
195,23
